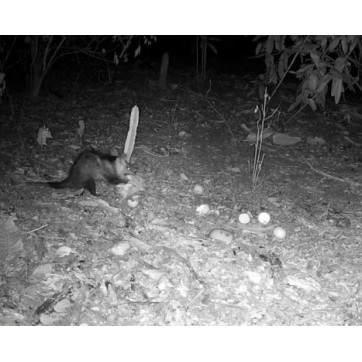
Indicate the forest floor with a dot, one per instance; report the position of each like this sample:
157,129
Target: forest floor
70,259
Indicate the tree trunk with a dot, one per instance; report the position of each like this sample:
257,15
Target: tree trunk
164,71
36,80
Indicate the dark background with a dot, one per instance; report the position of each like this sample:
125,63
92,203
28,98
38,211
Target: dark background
235,54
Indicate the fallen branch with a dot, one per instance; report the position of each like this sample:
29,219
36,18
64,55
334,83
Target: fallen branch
324,174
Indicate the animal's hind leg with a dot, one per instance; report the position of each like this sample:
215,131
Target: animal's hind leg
90,185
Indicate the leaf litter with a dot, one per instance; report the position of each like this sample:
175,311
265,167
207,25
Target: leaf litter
87,261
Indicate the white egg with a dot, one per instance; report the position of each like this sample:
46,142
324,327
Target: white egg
198,189
203,209
264,218
244,218
279,232
121,248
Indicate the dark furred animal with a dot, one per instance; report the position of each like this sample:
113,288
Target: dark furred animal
91,166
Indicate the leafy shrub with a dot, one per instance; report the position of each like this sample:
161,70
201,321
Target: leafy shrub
324,61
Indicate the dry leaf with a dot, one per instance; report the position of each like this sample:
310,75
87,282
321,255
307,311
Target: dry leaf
132,133
43,135
10,239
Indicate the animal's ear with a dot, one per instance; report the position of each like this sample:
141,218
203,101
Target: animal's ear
113,151
123,157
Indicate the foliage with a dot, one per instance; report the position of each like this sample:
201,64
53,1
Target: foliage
125,41
323,62
39,52
43,53
204,42
262,118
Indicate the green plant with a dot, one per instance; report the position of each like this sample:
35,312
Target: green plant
125,42
319,62
258,155
41,52
204,42
261,118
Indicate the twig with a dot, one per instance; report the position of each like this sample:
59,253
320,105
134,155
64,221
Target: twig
37,229
298,111
258,156
223,118
288,69
172,252
145,149
353,183
208,91
194,298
